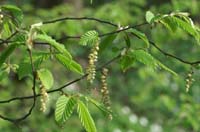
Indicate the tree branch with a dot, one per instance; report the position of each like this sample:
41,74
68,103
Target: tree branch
79,18
34,96
18,120
173,56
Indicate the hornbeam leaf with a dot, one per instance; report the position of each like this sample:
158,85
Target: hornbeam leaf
85,117
149,16
56,45
46,78
64,108
142,36
147,59
6,53
89,38
69,64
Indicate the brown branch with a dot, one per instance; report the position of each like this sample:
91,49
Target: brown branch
34,96
100,35
6,41
79,18
168,54
18,120
173,56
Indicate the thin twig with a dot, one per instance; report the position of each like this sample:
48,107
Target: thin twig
34,96
173,56
79,18
18,120
168,54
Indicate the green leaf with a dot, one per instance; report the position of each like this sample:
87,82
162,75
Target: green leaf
141,36
6,53
85,117
127,40
25,66
15,12
69,64
46,78
147,59
64,108
24,70
100,106
149,16
105,43
89,38
59,47
184,23
126,62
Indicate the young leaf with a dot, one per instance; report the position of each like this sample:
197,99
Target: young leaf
25,66
24,70
126,62
127,40
100,106
15,12
89,38
105,43
55,44
149,16
69,64
64,108
46,78
141,36
147,59
173,22
85,117
6,53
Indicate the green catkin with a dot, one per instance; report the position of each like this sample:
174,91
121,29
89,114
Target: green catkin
44,98
189,80
93,57
105,92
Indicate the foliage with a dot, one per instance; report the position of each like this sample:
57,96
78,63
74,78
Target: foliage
34,55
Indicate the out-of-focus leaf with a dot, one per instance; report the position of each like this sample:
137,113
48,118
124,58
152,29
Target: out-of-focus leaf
46,78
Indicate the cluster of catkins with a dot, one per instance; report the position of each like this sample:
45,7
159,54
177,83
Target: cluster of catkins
93,57
105,92
189,80
44,98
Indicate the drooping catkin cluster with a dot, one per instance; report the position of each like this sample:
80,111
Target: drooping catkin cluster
189,80
105,92
93,57
44,98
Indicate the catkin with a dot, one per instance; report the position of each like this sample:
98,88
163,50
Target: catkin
105,92
44,98
93,57
189,80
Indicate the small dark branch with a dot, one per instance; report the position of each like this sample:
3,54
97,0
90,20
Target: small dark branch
6,41
62,87
169,55
79,18
101,35
18,120
173,56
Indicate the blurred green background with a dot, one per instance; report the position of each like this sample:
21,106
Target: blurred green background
142,100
